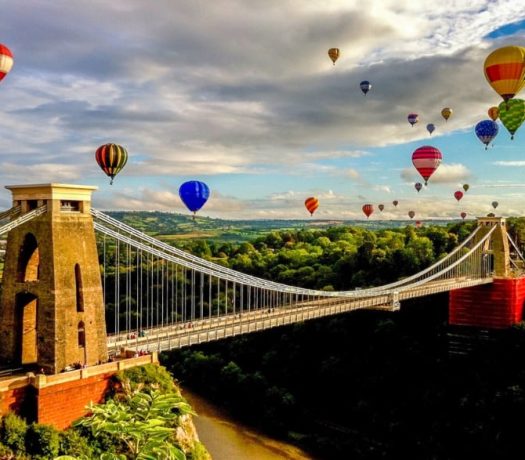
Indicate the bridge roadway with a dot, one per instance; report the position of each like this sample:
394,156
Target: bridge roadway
181,335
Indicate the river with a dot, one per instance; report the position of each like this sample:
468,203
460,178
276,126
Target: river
227,439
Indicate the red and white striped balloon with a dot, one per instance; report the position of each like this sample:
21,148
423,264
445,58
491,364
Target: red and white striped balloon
6,61
426,160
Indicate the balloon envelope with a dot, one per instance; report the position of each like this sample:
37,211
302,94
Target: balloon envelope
365,86
458,195
368,209
495,204
311,204
381,207
111,158
463,215
426,160
493,113
466,187
413,118
6,61
512,114
411,214
194,194
418,186
334,54
505,70
446,112
486,130
431,127
395,203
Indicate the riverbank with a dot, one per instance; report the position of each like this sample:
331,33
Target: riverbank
227,439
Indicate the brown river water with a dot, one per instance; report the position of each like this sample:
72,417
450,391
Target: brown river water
227,439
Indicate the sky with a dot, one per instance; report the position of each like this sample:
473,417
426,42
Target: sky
243,96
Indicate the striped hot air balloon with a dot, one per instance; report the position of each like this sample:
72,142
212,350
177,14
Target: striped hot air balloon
365,86
426,160
311,204
368,209
6,61
418,186
111,158
505,70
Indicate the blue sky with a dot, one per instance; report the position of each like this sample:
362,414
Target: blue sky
242,95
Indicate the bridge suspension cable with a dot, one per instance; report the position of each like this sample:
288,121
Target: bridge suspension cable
162,297
22,219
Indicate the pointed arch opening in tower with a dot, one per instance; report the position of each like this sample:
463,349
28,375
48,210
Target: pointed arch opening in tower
27,328
29,260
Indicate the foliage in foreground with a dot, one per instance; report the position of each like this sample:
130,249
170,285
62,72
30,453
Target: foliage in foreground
141,420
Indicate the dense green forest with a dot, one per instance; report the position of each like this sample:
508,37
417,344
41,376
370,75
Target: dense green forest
367,384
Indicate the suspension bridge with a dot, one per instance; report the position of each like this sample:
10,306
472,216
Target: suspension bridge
158,297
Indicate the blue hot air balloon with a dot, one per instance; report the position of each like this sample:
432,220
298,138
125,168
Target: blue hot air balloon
430,128
194,194
365,86
486,131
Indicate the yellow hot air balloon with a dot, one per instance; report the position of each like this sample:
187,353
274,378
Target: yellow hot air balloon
493,113
446,112
334,54
505,70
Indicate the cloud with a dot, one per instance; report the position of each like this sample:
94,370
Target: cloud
512,164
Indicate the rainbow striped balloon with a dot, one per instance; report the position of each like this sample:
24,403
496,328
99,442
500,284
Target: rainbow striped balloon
111,158
505,70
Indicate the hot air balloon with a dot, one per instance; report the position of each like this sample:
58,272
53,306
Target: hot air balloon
381,207
426,160
463,215
368,209
311,204
411,214
365,86
493,113
418,186
458,195
6,61
446,112
512,114
418,224
505,70
111,158
413,118
494,204
334,54
395,203
194,194
466,187
486,131
430,128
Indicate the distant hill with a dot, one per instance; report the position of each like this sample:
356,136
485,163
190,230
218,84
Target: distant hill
171,226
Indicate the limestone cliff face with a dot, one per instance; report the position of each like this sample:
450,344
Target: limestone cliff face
188,439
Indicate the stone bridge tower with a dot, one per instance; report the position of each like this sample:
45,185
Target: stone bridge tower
52,310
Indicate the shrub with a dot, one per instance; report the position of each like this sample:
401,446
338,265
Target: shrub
13,432
74,444
149,374
42,441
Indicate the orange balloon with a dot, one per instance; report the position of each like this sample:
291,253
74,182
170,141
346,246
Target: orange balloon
505,70
493,113
311,204
334,54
